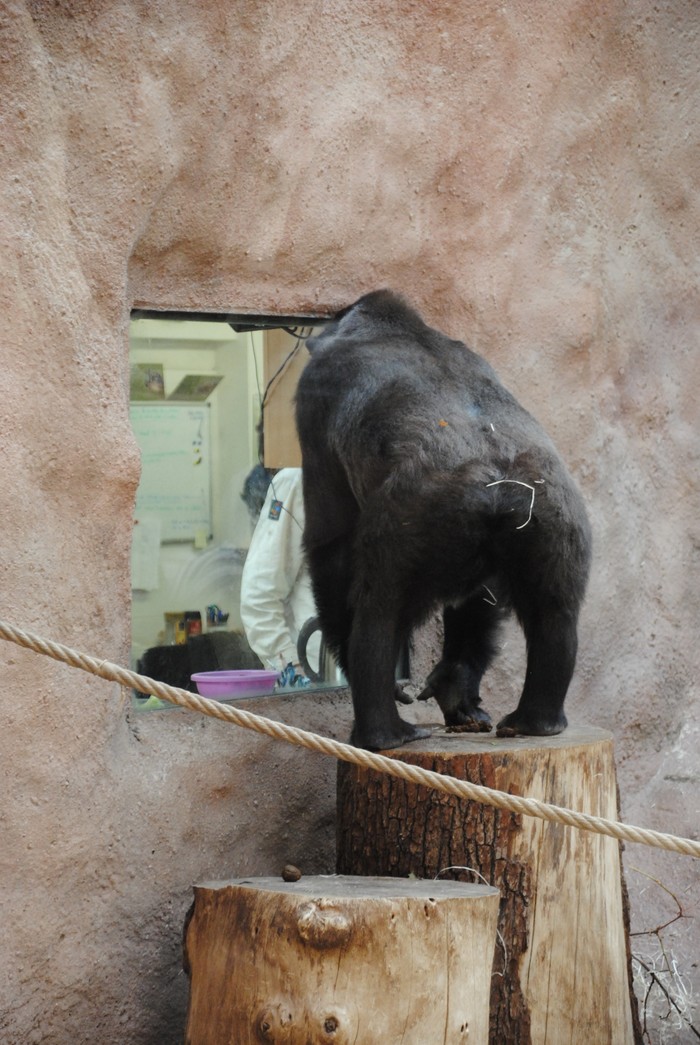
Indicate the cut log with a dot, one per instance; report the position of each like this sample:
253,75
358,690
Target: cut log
338,960
562,973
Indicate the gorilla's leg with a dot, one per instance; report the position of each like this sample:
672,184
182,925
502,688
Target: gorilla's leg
551,656
383,612
373,650
468,649
548,577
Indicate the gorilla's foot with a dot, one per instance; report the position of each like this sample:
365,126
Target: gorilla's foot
456,689
384,739
521,724
476,721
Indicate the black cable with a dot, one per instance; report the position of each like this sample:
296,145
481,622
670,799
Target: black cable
288,358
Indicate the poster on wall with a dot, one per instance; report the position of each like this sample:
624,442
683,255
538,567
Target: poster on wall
147,382
196,387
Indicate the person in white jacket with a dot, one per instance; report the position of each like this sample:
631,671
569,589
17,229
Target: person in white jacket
276,597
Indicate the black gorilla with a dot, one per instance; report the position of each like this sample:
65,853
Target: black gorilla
426,484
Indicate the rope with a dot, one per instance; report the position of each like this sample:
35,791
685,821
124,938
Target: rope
346,753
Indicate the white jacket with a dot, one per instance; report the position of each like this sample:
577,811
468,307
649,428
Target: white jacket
276,597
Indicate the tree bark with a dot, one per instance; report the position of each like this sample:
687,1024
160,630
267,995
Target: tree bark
340,961
561,973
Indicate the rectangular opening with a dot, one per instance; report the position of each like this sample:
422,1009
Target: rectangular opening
211,405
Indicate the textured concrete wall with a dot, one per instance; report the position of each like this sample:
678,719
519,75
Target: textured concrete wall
527,174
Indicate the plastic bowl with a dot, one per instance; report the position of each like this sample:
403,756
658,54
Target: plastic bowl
220,685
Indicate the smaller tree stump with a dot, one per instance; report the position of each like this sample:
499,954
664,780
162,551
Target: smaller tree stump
339,960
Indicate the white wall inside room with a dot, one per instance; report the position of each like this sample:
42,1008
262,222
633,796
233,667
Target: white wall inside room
190,577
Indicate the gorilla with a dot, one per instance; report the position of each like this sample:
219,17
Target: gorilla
426,486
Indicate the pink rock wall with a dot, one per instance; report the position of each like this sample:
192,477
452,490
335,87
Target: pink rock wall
527,174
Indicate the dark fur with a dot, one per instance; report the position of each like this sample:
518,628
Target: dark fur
402,430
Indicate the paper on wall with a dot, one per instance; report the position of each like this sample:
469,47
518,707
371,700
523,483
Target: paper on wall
145,553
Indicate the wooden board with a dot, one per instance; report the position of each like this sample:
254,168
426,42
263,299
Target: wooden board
338,960
282,448
562,975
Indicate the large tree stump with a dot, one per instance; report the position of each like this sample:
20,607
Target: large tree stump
562,974
340,961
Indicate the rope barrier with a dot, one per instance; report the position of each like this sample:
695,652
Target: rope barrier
347,753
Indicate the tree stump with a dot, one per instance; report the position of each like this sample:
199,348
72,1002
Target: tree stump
338,960
562,973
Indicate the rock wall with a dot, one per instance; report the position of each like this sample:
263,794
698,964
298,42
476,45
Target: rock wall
528,176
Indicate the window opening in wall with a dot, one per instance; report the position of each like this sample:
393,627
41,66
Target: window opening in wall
218,578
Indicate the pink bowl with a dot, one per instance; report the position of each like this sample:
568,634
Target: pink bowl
221,685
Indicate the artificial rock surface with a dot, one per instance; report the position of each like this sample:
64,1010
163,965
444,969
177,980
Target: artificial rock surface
528,177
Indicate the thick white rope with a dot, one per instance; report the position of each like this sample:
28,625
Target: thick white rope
347,753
